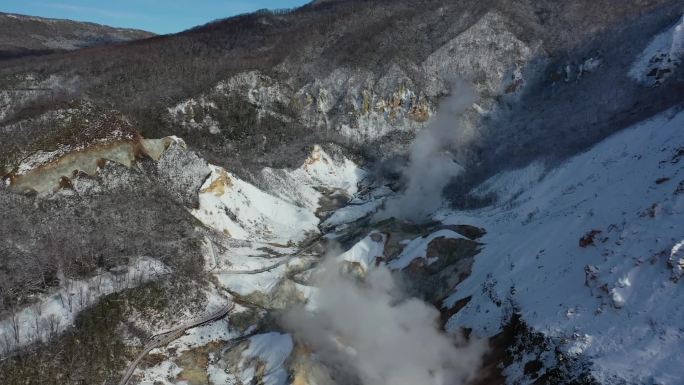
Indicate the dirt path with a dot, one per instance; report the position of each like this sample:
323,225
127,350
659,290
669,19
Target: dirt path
165,338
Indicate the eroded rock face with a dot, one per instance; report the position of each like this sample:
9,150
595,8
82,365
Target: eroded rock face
361,107
182,173
38,138
307,370
488,53
283,295
378,111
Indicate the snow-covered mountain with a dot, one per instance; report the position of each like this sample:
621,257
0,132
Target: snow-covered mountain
414,193
588,253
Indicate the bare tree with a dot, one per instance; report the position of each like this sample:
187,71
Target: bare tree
37,309
53,323
7,342
14,322
98,282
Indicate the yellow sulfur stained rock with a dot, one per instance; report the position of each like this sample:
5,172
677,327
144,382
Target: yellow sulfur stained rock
219,186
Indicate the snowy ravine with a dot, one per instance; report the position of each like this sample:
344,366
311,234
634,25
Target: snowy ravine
287,211
53,313
590,254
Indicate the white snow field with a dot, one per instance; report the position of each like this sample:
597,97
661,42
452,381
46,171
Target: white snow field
284,213
243,211
589,254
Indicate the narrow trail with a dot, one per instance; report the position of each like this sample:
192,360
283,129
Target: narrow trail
286,258
165,338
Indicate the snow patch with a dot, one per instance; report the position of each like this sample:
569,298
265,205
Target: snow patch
417,248
661,57
159,374
367,251
352,213
676,260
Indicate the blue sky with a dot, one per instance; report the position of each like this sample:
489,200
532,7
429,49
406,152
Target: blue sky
159,16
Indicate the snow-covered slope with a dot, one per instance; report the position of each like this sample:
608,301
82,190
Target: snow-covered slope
54,312
282,212
320,171
590,255
661,57
240,210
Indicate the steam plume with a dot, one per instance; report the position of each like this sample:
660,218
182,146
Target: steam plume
431,165
385,339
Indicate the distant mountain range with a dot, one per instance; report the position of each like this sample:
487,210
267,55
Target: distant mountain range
22,35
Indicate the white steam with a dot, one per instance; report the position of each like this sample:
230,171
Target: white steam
431,165
366,326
